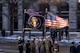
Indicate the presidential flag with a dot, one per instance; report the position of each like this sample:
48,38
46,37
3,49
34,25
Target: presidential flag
33,19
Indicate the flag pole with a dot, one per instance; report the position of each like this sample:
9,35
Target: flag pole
44,27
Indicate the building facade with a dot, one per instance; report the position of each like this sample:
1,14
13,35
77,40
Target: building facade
11,12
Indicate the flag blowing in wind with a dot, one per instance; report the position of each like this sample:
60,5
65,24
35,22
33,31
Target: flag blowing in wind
53,21
62,22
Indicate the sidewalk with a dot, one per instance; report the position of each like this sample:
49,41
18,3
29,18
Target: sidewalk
72,37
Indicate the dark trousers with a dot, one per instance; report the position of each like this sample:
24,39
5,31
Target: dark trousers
54,35
60,34
27,50
20,49
64,30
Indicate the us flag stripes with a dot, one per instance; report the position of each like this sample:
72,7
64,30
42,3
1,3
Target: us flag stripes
53,21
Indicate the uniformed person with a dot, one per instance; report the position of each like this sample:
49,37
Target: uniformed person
20,44
48,45
28,46
37,44
42,46
56,47
32,46
73,48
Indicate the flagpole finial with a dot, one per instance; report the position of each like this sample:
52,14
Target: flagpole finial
25,11
46,10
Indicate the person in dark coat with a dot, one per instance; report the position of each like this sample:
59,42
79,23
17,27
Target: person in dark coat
28,46
73,48
78,48
20,44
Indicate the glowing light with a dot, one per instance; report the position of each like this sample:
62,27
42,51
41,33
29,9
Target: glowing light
79,1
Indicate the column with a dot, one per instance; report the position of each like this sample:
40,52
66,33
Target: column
20,15
5,17
72,14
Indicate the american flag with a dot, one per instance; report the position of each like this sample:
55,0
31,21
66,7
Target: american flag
50,20
54,21
62,22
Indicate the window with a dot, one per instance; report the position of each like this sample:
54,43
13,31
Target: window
26,5
78,6
15,21
14,15
78,23
64,6
0,16
78,17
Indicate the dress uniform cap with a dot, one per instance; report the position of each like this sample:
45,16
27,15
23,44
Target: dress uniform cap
19,37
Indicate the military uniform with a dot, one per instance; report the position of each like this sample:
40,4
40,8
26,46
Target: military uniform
48,46
28,47
42,46
37,43
56,48
20,46
32,47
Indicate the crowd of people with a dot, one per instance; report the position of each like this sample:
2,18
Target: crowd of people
74,48
38,45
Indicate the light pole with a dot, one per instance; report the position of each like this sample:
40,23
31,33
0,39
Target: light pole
59,13
23,31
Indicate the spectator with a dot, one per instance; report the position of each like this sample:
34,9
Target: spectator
73,48
78,48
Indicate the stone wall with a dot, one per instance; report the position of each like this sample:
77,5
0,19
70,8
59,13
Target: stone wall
72,14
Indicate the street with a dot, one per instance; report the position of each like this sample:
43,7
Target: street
8,48
12,48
